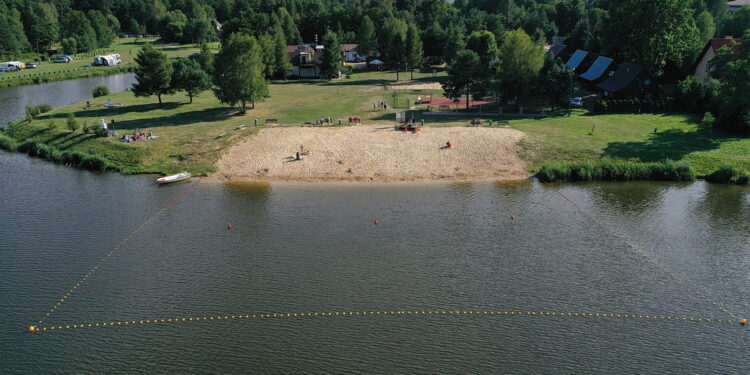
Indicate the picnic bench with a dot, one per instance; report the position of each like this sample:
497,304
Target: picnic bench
272,121
502,124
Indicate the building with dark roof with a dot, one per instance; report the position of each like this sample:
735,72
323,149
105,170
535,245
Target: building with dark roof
628,81
599,70
557,50
737,4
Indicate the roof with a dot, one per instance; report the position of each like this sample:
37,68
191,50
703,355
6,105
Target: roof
349,47
576,59
624,76
600,65
717,43
557,49
738,3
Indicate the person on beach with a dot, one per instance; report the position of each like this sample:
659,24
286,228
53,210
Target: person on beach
297,157
448,144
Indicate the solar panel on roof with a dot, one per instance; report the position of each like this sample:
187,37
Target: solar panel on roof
597,69
576,59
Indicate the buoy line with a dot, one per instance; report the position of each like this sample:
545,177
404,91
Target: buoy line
649,258
109,255
462,313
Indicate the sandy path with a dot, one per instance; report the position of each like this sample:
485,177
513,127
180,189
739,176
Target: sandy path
417,86
375,153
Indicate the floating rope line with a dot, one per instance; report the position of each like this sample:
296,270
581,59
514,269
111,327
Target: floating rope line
420,313
643,254
112,252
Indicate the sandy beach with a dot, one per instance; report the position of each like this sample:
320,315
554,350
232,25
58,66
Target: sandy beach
375,153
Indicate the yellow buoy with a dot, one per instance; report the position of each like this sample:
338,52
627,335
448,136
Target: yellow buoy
743,322
32,329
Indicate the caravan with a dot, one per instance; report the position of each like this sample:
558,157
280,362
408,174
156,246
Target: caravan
107,60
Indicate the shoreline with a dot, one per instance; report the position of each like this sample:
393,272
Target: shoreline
73,75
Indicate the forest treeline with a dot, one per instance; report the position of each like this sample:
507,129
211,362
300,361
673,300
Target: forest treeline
622,29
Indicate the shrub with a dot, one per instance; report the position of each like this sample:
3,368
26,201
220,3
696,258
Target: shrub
44,108
614,170
729,175
7,143
708,119
94,163
71,123
100,91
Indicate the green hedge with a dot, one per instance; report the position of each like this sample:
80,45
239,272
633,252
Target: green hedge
614,170
729,175
70,158
634,106
7,143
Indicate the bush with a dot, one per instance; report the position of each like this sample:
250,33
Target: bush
729,175
708,119
614,170
7,143
44,108
71,123
100,91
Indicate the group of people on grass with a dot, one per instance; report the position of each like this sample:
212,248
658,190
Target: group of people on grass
138,136
322,121
379,106
476,121
355,120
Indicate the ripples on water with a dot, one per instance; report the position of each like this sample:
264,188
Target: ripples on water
314,247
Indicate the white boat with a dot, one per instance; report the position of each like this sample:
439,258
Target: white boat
173,178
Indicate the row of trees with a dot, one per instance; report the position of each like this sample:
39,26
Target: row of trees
238,74
517,68
632,30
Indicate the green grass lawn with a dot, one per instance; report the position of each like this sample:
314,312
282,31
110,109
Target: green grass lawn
127,48
193,136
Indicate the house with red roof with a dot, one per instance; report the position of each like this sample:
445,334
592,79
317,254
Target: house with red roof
703,66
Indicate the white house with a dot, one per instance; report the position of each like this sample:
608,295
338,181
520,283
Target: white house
737,4
703,66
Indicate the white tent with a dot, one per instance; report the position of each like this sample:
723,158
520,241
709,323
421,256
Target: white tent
376,62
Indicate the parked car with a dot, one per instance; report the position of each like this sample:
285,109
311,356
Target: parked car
30,65
60,60
194,55
576,102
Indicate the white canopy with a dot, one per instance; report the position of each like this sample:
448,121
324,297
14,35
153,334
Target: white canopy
376,62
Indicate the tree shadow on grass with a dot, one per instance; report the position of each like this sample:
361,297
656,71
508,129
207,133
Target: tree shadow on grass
333,83
673,144
177,119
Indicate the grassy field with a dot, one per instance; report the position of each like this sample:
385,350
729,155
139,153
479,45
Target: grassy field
127,48
193,136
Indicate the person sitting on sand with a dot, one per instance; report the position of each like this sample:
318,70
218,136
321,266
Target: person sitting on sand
448,144
297,157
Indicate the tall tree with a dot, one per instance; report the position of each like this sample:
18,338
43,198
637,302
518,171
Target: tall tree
413,49
206,59
331,61
366,38
101,25
485,45
454,42
706,26
282,64
521,59
42,25
238,72
289,27
652,33
188,76
463,76
395,43
557,80
77,25
153,74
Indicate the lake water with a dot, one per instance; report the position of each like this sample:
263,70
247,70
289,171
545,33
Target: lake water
13,100
299,248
